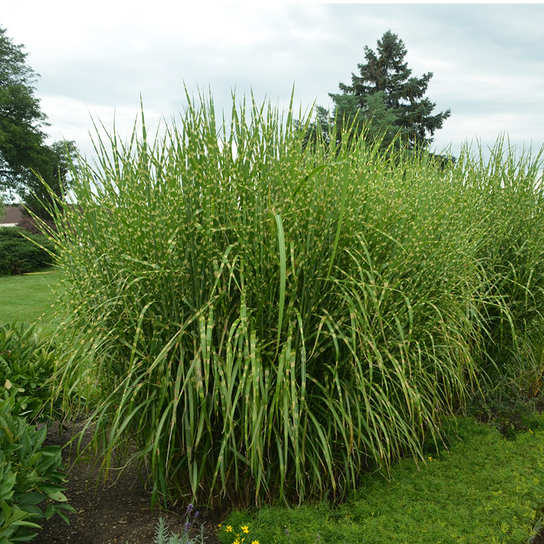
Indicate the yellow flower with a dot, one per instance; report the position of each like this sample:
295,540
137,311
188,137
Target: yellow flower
228,529
255,542
245,529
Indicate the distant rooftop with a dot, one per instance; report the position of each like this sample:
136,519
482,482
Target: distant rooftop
13,216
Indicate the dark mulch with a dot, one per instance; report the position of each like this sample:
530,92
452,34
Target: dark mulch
115,511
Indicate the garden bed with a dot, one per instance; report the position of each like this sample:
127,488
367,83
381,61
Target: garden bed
112,511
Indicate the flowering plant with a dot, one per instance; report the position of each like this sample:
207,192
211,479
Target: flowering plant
239,536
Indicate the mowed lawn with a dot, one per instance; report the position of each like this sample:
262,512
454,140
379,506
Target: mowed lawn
26,297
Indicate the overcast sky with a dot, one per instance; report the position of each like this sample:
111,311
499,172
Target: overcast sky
95,58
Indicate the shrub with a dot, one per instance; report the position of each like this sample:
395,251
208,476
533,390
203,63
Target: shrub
22,253
30,475
264,320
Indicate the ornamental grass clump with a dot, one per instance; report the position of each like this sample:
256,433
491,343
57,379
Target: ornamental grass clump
261,320
508,196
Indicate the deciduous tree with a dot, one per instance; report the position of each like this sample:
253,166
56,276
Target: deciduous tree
24,155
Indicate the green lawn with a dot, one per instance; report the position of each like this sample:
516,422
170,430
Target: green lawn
27,297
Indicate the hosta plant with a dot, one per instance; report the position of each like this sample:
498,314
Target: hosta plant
27,361
31,476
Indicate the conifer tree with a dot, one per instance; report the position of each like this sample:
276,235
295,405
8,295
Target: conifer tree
386,93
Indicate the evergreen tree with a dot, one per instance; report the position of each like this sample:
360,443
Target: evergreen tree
386,93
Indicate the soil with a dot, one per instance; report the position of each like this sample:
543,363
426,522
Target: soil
115,511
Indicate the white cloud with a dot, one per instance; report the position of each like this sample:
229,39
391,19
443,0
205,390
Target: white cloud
488,60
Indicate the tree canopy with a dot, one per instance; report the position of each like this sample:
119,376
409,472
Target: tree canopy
387,99
24,154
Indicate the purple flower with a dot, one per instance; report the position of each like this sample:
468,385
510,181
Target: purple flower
187,526
189,508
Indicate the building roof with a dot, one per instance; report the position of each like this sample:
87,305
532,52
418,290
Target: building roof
14,214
